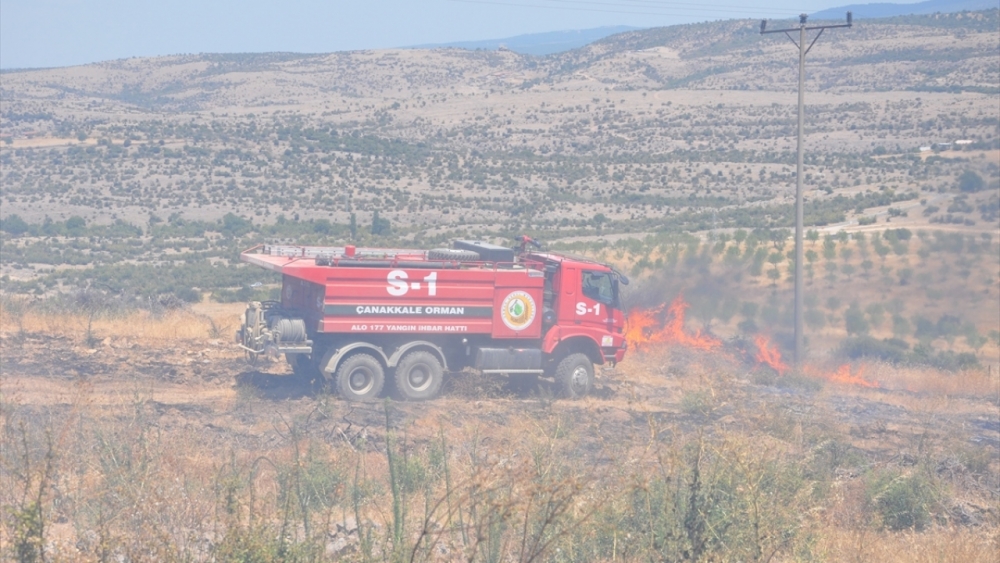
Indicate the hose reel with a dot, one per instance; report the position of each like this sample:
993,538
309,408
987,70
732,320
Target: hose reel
267,330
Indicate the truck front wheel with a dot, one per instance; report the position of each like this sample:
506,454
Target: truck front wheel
419,376
574,376
360,378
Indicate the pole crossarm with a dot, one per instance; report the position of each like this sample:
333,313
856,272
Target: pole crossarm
815,39
810,28
799,188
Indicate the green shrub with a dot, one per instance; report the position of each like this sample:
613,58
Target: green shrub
855,321
697,403
815,319
890,349
901,501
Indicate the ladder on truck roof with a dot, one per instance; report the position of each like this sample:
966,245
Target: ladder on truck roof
295,251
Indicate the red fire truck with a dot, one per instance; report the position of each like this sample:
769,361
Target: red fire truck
361,315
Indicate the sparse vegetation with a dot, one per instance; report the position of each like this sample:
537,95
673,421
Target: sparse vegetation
318,479
130,187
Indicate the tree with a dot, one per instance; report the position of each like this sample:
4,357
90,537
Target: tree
882,251
234,225
778,238
866,266
739,236
876,314
815,319
354,226
969,182
811,257
900,326
14,225
75,224
829,248
380,226
854,320
831,271
774,259
973,338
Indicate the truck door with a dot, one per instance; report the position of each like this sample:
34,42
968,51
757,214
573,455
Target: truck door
597,299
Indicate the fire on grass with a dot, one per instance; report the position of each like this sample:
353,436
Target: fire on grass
665,325
645,328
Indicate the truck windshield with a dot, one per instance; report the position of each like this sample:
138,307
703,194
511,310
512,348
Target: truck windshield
599,286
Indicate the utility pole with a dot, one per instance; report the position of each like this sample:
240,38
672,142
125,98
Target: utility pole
803,50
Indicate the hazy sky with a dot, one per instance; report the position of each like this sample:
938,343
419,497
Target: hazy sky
45,33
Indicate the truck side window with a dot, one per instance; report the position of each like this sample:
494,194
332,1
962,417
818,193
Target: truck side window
598,286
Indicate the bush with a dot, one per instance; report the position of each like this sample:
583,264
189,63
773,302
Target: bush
855,321
747,326
902,502
889,349
950,361
969,182
188,295
815,319
14,225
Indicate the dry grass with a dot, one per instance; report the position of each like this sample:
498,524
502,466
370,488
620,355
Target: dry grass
198,322
945,545
187,468
922,380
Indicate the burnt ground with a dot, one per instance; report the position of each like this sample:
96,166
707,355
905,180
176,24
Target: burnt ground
203,409
207,386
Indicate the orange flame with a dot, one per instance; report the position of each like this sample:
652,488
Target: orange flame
645,329
844,375
768,355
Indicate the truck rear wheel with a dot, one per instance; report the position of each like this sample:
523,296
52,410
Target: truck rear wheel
419,376
574,376
360,378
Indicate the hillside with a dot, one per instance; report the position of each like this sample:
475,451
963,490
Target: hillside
181,161
629,114
538,43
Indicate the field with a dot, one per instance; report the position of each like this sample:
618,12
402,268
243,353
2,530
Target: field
133,429
160,442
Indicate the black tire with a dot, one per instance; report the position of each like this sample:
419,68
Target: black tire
453,254
360,378
574,376
419,376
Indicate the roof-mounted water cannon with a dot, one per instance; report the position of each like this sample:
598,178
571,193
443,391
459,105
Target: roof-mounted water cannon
525,240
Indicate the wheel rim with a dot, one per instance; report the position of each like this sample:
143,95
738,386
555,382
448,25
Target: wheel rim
419,378
579,379
361,380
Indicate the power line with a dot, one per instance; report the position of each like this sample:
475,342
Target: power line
667,4
667,7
